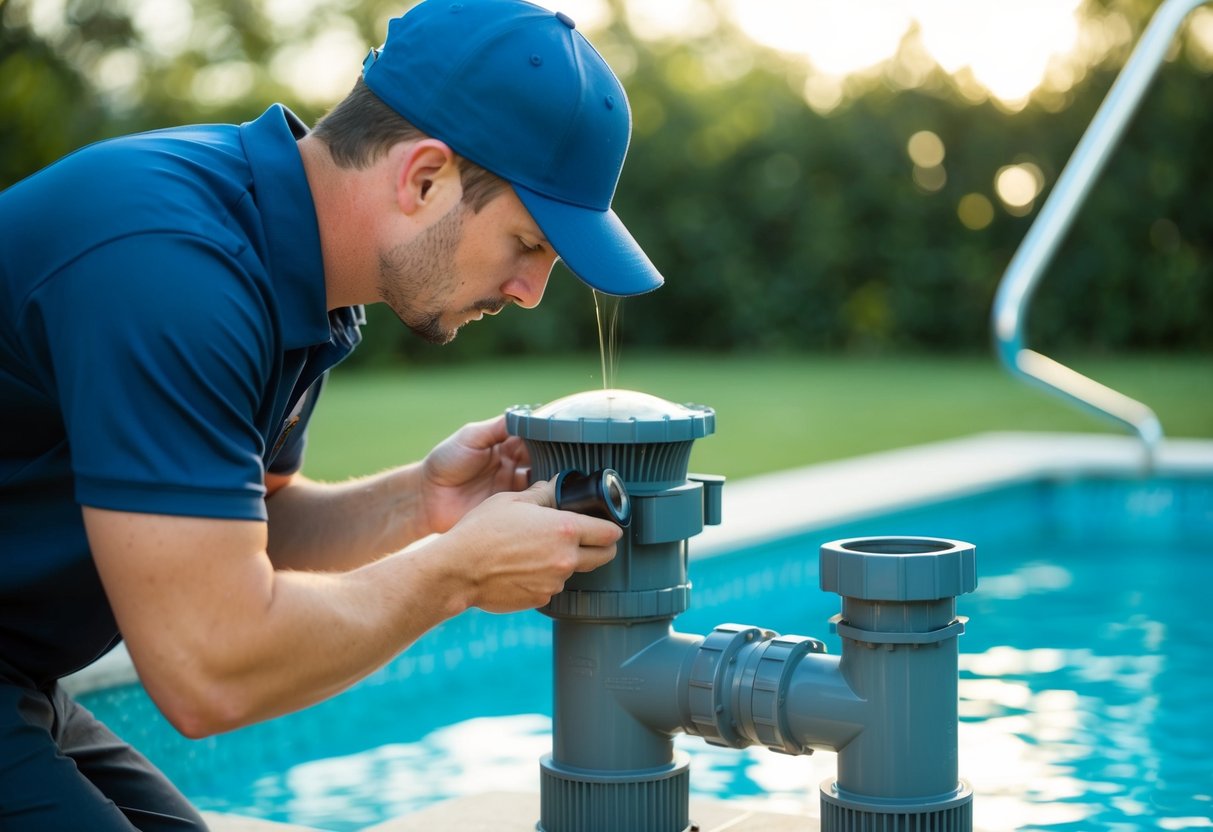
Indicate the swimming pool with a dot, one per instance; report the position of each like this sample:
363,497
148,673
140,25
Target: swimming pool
1086,699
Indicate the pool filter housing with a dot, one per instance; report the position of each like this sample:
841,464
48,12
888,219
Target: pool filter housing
625,682
607,769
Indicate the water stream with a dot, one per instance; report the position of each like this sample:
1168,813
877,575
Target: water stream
608,310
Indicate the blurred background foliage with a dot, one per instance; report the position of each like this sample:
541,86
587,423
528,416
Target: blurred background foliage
790,208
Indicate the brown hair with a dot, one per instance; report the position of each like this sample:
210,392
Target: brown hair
361,128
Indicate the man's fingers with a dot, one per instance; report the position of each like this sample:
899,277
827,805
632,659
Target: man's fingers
592,557
488,432
542,493
596,532
595,538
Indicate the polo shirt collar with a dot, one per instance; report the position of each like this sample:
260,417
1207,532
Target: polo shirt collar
288,216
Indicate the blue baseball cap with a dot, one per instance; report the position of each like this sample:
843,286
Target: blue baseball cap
518,90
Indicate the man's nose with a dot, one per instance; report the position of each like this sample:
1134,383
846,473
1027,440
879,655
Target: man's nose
527,286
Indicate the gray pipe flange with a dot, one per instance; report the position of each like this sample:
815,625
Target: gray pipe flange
708,694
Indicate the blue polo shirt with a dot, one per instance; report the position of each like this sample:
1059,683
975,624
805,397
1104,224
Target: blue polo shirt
163,338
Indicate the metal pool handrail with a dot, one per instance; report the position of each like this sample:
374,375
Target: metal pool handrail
1038,246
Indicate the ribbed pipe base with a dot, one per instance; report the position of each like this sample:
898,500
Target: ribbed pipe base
633,801
952,813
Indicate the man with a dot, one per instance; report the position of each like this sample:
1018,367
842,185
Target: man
171,303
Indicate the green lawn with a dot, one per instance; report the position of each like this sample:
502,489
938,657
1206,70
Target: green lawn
772,412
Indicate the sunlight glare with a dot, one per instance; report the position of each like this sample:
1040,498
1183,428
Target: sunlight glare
48,17
1005,49
823,92
165,26
1185,823
925,149
221,83
1012,661
321,70
930,179
670,19
1018,186
927,152
291,17
1200,37
837,37
117,73
975,211
1008,46
1010,772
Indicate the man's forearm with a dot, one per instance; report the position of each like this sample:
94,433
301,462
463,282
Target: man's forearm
340,526
318,634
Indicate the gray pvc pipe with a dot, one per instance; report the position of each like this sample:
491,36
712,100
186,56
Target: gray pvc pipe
596,674
889,710
908,748
821,709
658,674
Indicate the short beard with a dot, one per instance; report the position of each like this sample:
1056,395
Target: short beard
423,271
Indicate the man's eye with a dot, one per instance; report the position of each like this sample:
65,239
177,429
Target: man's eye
525,247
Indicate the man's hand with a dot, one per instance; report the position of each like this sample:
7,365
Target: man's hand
481,459
516,550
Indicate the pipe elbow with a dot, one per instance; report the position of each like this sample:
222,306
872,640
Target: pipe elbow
652,686
823,712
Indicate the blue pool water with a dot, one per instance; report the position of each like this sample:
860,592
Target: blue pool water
1086,682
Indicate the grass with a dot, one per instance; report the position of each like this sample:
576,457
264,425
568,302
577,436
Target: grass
772,412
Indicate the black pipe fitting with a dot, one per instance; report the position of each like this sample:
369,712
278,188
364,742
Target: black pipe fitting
600,494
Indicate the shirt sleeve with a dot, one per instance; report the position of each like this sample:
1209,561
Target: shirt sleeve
161,349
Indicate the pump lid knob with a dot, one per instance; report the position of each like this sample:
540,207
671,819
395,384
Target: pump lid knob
898,568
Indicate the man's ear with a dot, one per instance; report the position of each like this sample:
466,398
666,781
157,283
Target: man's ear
427,177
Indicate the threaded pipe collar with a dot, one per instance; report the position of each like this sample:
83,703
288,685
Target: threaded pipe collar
898,568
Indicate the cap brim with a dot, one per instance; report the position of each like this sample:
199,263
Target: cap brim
593,244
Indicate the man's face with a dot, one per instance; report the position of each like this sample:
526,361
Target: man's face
466,265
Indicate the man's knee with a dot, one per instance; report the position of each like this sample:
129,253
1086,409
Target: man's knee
40,789
60,768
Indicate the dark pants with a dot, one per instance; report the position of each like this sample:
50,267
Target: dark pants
61,770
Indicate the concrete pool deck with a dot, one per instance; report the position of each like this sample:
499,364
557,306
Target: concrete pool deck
775,506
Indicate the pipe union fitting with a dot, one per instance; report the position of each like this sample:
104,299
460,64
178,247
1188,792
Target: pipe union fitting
737,693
